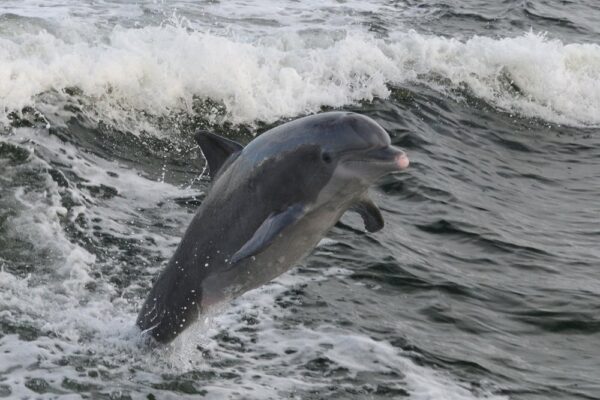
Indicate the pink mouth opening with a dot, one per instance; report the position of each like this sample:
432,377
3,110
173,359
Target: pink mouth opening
402,161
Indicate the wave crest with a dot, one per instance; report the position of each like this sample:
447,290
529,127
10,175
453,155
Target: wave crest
162,69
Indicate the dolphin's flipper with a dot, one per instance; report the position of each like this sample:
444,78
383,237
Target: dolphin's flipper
369,212
216,150
268,231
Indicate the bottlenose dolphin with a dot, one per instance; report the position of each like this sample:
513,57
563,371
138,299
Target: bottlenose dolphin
269,206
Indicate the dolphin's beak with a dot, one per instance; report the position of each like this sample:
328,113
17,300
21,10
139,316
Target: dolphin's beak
391,156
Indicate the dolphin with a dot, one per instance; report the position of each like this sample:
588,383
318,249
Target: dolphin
269,205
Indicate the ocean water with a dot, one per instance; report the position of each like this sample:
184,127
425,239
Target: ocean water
484,283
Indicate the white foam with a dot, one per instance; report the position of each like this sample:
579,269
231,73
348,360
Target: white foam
161,69
345,348
37,221
552,80
54,300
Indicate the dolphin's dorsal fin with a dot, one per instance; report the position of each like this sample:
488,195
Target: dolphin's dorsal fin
216,150
369,212
268,231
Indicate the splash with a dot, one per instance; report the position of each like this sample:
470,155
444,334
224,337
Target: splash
160,70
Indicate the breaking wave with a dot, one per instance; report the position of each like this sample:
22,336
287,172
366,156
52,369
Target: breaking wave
166,69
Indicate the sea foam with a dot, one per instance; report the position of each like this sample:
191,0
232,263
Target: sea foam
163,69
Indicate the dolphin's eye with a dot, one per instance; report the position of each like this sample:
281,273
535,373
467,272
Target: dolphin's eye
326,157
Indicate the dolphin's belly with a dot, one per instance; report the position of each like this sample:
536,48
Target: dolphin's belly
283,253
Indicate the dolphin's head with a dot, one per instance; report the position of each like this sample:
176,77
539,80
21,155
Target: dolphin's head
360,150
331,155
355,151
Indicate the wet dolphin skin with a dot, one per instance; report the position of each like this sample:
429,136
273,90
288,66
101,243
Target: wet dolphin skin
269,205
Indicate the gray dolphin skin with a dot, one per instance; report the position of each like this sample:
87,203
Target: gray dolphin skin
269,206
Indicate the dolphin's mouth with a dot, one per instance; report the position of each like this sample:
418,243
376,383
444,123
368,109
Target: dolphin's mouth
390,157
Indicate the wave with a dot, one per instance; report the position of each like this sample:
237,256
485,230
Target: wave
163,69
530,74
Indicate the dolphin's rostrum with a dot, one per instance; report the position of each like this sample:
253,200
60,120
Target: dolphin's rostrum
269,205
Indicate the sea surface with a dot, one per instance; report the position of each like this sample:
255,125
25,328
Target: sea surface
484,283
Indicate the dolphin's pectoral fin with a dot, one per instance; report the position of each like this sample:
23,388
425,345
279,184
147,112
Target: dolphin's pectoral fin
369,212
268,231
216,150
